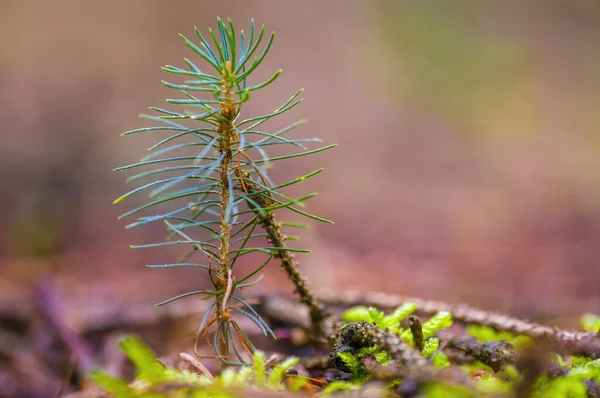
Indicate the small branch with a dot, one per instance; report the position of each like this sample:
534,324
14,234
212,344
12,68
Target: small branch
317,312
495,354
587,347
460,313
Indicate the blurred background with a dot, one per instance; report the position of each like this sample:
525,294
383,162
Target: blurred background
467,167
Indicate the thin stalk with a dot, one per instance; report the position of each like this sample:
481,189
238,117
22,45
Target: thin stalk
227,136
266,218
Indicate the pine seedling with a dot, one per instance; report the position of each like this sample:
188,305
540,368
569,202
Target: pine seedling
209,184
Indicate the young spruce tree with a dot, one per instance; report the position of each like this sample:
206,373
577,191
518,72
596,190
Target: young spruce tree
208,181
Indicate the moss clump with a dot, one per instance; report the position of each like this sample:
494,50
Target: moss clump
155,380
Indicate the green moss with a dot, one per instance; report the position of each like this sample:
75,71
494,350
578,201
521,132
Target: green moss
390,322
430,346
258,362
112,385
510,373
562,387
151,373
338,386
590,323
356,314
484,334
440,321
148,368
358,374
589,369
440,359
278,371
442,390
382,357
298,383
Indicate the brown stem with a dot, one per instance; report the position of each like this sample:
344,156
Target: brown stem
417,331
227,136
267,220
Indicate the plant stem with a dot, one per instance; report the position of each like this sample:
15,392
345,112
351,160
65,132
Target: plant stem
417,331
227,137
318,313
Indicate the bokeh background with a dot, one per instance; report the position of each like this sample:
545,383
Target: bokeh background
467,167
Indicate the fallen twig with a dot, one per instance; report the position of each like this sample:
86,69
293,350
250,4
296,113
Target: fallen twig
495,354
460,313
